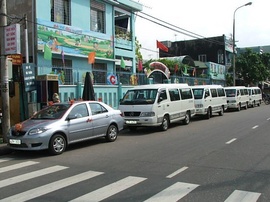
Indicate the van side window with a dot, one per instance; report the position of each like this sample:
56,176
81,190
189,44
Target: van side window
214,92
221,92
238,92
174,94
207,93
186,93
163,95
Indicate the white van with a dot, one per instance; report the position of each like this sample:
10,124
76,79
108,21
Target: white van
255,96
209,99
157,105
237,97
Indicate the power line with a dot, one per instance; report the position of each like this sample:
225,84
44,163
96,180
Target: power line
176,28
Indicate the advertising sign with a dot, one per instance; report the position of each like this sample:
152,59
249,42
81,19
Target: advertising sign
12,39
29,75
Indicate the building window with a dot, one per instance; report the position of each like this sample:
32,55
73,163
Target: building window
202,58
220,57
100,73
64,72
97,18
122,24
60,11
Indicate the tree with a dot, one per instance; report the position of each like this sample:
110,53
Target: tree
252,67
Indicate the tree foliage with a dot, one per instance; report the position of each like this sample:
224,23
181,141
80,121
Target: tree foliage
252,67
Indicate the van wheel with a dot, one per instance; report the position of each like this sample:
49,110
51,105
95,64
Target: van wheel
209,113
186,121
165,123
221,112
57,144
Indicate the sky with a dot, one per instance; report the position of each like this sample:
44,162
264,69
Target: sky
207,18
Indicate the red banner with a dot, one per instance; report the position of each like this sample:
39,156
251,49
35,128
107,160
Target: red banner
161,46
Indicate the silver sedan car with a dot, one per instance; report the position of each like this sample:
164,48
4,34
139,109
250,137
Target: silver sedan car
61,124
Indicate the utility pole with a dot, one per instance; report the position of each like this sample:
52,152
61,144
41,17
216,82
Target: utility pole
4,73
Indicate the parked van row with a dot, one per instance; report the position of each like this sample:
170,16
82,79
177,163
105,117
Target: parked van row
162,104
243,97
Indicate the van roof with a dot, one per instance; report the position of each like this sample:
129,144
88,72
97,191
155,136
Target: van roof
163,85
235,87
207,86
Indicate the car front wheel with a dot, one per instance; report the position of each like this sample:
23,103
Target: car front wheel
112,133
57,144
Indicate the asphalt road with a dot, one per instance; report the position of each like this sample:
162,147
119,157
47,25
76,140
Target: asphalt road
225,158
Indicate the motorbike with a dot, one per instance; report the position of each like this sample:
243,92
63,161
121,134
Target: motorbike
266,99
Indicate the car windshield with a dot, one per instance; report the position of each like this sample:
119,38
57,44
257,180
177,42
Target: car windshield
139,96
230,92
198,93
55,111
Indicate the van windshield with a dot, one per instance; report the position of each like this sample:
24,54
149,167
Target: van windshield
230,92
139,96
198,93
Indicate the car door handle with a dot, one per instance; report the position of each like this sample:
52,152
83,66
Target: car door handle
89,120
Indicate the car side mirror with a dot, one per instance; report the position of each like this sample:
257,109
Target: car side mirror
71,116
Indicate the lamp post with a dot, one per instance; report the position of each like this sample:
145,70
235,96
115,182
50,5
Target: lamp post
247,4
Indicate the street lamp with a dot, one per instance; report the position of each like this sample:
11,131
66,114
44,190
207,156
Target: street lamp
247,4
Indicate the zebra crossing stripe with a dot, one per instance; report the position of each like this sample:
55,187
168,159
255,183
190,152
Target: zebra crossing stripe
17,166
177,172
242,196
31,175
173,193
5,159
39,191
109,190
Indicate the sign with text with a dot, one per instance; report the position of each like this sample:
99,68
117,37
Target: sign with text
29,75
12,39
16,59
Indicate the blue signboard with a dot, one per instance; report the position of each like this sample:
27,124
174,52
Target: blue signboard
29,75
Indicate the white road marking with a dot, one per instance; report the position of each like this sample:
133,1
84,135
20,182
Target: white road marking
39,191
31,175
109,190
173,193
232,140
16,166
243,196
177,172
5,159
255,127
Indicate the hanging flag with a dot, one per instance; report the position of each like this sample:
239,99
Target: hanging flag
176,68
185,70
162,46
91,57
47,52
122,65
194,71
63,57
140,66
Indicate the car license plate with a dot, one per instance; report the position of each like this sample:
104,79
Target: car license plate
13,141
131,122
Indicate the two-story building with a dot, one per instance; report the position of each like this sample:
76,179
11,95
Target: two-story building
71,37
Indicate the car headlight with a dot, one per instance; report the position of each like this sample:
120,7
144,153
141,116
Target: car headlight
36,131
147,114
